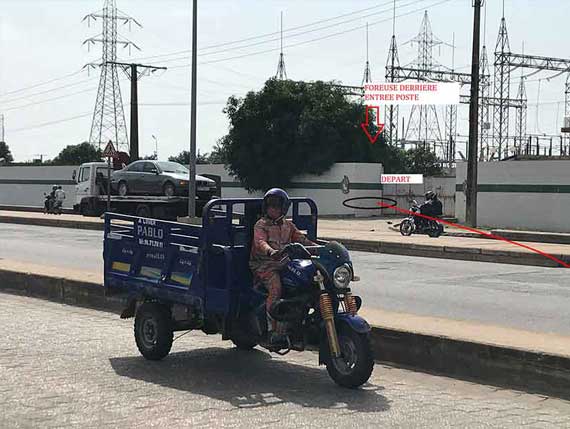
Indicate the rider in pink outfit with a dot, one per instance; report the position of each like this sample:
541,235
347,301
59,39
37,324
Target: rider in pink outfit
271,233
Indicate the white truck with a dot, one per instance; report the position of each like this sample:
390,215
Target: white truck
91,196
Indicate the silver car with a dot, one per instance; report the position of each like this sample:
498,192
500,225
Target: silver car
147,177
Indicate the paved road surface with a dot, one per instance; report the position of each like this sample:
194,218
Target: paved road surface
63,366
521,297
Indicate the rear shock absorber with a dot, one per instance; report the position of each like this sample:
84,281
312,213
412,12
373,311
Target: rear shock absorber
327,313
350,304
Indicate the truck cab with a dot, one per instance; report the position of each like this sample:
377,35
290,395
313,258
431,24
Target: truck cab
87,185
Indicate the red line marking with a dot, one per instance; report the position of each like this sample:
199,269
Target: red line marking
486,234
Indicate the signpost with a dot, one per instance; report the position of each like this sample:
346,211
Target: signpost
109,152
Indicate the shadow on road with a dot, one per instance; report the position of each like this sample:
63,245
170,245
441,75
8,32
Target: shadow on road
250,379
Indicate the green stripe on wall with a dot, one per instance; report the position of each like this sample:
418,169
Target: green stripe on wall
317,185
538,189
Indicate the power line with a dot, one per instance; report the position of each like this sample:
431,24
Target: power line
47,91
231,43
310,31
246,39
41,83
45,124
322,37
50,99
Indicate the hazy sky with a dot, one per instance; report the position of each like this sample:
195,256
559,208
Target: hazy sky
41,40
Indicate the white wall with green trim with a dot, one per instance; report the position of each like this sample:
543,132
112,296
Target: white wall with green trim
325,189
533,195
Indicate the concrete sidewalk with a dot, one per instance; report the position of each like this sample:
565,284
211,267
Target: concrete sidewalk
495,355
377,235
371,235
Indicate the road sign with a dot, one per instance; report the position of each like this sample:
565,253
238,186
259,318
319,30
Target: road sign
110,151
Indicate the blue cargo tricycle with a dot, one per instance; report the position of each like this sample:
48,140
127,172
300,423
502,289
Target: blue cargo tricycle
178,277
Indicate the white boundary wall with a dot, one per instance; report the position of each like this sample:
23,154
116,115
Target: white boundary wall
326,190
533,195
25,185
443,186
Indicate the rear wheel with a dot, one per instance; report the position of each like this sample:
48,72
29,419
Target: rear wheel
354,367
435,230
153,330
123,189
168,189
406,227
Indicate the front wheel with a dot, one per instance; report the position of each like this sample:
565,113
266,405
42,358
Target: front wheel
168,190
153,330
406,227
354,367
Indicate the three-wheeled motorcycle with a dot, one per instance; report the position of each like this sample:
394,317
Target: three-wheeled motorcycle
176,276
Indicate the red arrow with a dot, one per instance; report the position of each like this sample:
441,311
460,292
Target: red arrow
364,125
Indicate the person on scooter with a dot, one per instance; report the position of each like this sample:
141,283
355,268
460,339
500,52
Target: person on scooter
271,234
431,207
50,199
59,197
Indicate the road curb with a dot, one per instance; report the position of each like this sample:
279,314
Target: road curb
483,363
52,221
450,252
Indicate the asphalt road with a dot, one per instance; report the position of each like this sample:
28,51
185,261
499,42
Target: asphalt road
63,366
521,297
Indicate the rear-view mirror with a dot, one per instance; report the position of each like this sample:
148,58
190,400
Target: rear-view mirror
74,176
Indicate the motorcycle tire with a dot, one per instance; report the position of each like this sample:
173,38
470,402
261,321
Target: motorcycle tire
355,366
406,228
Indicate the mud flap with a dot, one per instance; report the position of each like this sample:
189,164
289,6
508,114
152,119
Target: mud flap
130,309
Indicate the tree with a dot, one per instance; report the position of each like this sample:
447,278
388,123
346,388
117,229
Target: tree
5,154
184,158
422,161
218,154
78,154
292,128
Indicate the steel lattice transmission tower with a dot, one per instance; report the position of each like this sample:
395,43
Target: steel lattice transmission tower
391,111
567,108
367,77
108,116
520,117
393,61
502,88
423,125
281,72
484,94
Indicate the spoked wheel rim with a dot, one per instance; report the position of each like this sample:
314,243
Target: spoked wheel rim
348,359
149,331
123,189
406,228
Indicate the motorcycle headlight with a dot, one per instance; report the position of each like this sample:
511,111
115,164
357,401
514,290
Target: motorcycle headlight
342,276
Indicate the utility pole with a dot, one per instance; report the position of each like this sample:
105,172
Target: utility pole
192,163
134,73
471,191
